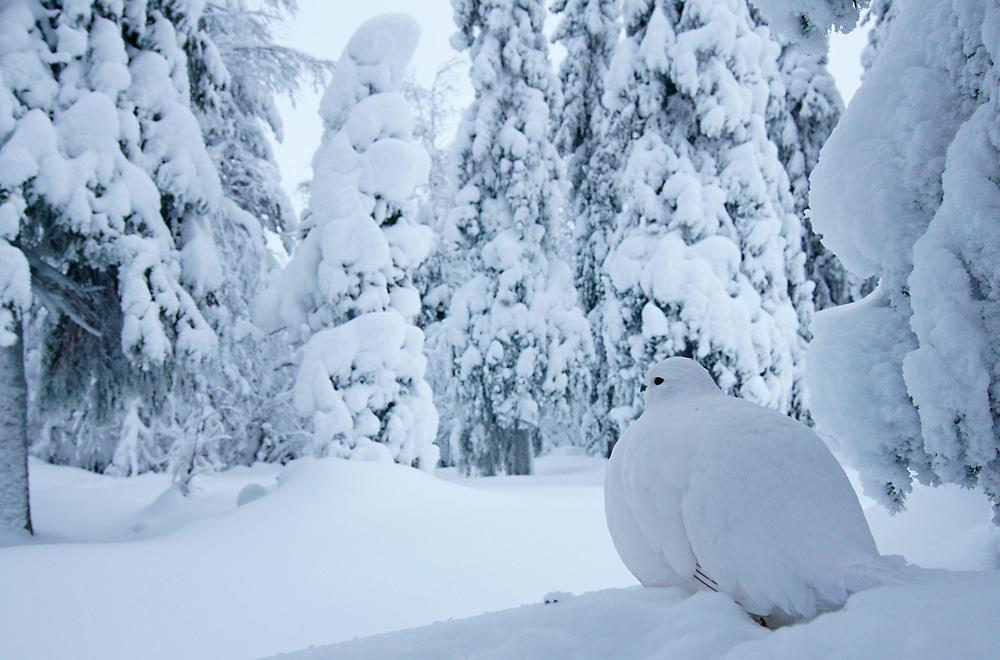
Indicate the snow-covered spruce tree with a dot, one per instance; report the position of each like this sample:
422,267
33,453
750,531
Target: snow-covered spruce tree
799,121
239,106
881,15
434,112
346,298
516,337
589,30
440,274
433,115
236,72
104,175
707,247
908,379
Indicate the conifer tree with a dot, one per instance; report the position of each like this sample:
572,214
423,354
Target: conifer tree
347,296
440,274
237,106
589,30
800,123
516,338
881,15
106,187
237,71
908,379
142,259
707,247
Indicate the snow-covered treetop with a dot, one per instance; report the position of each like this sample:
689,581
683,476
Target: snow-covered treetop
378,54
388,40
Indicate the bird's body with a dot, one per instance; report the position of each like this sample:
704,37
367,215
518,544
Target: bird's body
705,491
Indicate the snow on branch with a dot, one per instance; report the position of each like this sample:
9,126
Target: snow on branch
807,22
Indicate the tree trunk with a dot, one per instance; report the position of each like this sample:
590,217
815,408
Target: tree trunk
15,513
515,446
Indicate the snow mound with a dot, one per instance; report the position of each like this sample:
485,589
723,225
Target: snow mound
614,624
336,550
250,493
906,621
339,550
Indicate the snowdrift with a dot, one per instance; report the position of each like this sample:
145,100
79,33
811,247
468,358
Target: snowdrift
127,568
332,550
939,614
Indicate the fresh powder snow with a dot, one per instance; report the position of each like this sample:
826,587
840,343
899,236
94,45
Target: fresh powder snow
191,366
906,379
339,549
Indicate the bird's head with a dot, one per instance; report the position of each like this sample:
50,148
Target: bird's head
677,376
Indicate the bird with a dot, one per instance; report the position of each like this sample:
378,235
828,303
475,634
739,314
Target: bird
708,492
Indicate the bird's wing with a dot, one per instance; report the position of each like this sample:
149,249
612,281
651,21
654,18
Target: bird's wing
653,482
767,509
631,541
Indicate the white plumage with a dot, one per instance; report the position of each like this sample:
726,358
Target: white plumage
706,491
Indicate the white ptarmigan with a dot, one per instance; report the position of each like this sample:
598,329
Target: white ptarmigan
706,491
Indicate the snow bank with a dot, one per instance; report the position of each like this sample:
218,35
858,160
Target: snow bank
923,619
336,549
333,550
615,624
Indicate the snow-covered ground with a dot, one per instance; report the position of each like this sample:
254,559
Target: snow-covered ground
925,620
126,568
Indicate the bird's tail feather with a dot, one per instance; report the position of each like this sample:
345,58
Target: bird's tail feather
708,582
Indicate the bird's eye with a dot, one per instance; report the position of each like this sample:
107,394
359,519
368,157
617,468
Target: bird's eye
657,381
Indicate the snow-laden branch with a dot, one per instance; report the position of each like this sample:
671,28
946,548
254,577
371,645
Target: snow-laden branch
807,22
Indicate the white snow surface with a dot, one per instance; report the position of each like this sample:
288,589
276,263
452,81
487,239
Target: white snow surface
332,550
918,620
